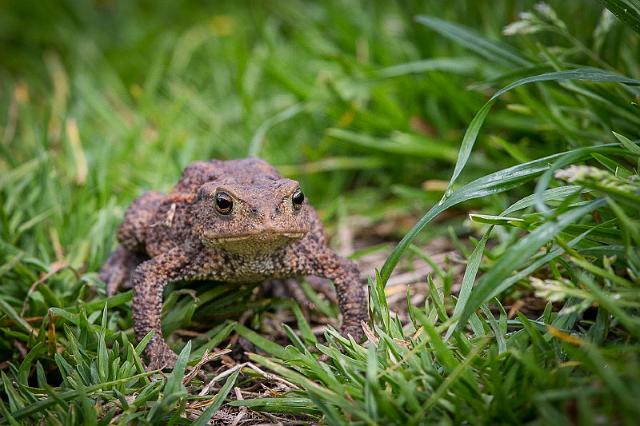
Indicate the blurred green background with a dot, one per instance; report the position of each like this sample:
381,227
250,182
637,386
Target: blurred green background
152,86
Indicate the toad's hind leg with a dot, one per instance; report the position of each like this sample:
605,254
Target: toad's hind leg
137,220
319,285
117,270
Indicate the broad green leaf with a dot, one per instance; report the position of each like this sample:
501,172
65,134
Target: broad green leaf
371,383
213,341
15,400
36,352
559,193
7,415
303,325
468,142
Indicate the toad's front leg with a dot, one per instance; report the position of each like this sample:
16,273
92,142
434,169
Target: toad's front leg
352,298
149,280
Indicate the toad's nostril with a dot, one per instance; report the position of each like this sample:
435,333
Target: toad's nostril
254,210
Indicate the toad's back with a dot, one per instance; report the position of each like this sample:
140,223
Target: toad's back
248,171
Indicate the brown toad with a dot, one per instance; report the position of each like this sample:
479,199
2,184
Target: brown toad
231,221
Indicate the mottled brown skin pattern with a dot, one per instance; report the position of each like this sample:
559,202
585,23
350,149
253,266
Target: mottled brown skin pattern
184,236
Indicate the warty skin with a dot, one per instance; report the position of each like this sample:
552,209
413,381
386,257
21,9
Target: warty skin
269,232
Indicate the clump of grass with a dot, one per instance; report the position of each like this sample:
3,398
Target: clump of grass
535,136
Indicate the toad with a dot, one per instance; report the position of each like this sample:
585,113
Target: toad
233,221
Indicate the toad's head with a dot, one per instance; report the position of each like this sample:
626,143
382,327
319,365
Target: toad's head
255,216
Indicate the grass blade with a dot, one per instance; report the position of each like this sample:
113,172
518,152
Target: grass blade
217,401
594,75
494,183
628,11
455,65
468,279
492,283
493,51
258,138
174,382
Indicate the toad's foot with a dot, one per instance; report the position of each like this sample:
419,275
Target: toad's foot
161,356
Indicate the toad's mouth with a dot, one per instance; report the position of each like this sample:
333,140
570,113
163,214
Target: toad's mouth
262,236
259,236
252,243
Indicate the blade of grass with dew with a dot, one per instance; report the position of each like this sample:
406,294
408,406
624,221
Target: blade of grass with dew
492,283
593,75
491,184
627,11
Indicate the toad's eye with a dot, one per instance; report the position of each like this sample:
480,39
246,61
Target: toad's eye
297,198
224,203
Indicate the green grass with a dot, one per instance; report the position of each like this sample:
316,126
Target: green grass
518,141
